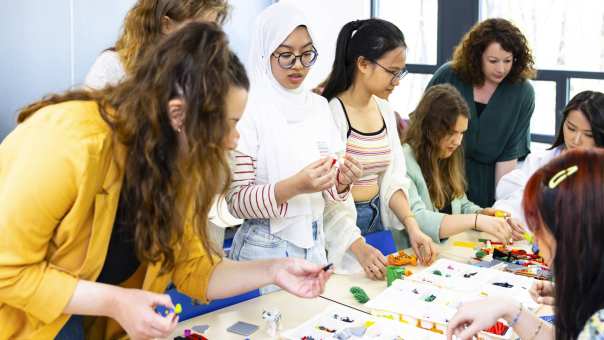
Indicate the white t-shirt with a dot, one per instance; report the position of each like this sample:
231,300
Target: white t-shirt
510,188
106,70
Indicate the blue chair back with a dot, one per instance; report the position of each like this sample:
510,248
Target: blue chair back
192,308
382,240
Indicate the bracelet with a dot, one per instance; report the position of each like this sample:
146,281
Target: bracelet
515,320
476,221
537,330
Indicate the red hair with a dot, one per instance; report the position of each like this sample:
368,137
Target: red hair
572,210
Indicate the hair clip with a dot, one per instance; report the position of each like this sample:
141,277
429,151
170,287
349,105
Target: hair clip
561,176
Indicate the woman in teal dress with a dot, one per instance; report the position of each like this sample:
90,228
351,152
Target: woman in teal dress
490,68
435,165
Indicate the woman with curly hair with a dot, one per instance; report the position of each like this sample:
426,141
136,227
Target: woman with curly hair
145,24
104,199
490,68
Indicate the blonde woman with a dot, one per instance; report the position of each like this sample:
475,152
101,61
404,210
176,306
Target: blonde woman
145,24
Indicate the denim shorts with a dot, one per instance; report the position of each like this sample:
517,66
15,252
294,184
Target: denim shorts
369,219
254,241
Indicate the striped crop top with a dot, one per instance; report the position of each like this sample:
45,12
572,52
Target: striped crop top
371,149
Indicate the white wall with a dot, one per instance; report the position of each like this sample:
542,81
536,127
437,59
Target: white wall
49,45
326,19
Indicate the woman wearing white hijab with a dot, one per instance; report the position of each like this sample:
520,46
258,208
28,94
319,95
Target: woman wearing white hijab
285,169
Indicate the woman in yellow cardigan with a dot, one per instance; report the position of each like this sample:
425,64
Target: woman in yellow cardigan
104,198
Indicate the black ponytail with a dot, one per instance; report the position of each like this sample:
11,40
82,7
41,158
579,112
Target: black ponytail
369,38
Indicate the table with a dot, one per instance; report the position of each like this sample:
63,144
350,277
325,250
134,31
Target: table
297,310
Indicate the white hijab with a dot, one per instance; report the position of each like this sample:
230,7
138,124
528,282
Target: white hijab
294,127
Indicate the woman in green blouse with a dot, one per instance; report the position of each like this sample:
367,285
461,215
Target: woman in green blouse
435,166
490,68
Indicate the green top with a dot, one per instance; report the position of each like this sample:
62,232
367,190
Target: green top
427,216
501,133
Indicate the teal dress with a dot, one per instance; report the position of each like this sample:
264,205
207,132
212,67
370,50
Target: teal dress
501,133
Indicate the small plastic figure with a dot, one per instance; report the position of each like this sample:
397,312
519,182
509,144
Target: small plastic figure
437,272
503,284
273,318
469,275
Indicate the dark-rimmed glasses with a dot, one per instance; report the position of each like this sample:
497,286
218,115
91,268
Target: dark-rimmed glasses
287,60
396,75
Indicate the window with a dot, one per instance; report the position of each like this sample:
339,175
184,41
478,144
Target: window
578,85
543,121
407,95
567,44
418,21
563,34
326,19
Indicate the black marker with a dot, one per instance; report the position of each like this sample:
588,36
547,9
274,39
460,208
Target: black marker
327,267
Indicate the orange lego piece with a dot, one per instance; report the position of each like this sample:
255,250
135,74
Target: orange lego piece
401,259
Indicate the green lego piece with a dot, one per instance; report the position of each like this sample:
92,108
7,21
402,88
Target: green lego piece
393,273
359,294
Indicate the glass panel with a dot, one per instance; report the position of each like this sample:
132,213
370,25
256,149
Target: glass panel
407,95
325,25
544,118
563,34
418,20
579,84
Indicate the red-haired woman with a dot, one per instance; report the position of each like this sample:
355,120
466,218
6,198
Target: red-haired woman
563,204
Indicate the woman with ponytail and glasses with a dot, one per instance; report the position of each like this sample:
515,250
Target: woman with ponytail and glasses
145,24
104,198
582,126
369,63
563,205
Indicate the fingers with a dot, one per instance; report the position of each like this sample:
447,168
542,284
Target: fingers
433,251
471,329
415,247
162,327
161,300
546,300
456,325
325,182
318,163
303,267
517,230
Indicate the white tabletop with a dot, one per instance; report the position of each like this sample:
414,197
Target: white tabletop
296,310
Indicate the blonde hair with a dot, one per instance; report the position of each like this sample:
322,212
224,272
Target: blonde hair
143,24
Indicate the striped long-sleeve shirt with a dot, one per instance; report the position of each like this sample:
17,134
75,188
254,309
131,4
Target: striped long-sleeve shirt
247,199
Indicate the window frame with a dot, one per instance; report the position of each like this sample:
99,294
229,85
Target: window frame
455,18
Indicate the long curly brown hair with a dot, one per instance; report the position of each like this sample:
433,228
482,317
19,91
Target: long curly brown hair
434,119
143,24
163,189
467,58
